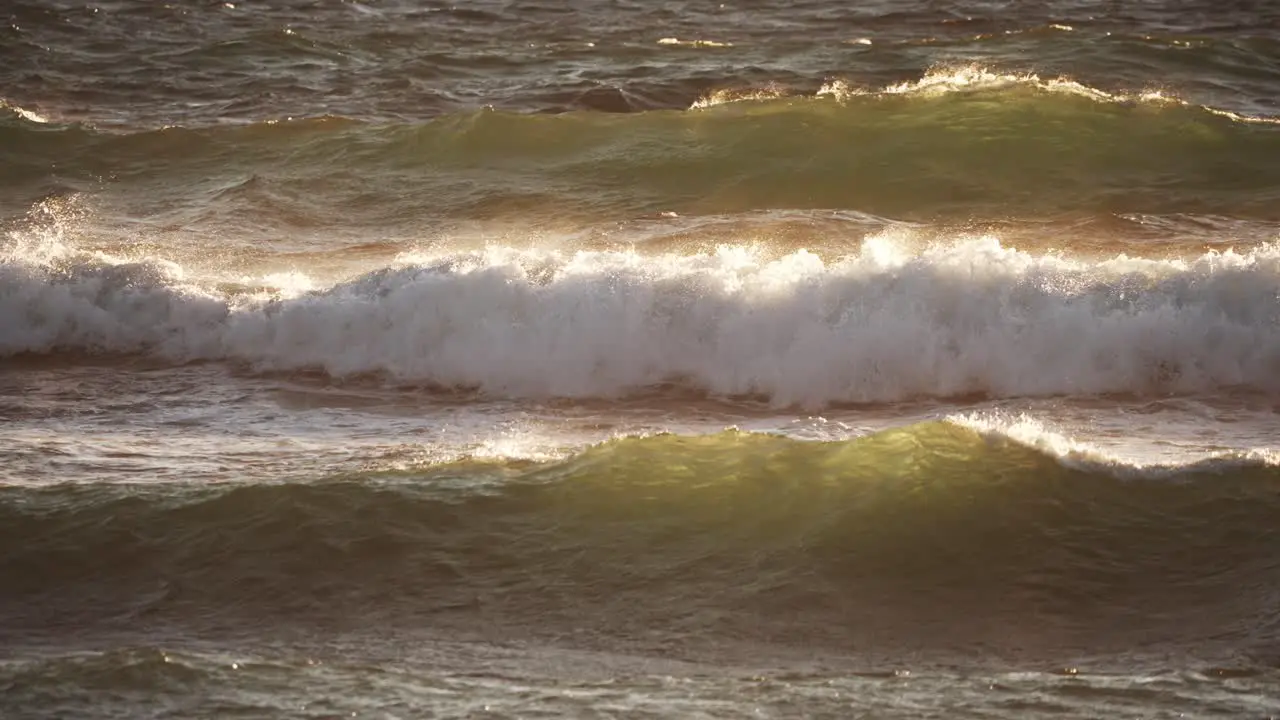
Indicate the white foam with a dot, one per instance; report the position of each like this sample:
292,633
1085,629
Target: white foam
1034,433
732,95
949,79
23,113
946,79
888,323
694,43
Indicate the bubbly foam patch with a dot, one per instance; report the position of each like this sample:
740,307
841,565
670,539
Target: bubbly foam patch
888,323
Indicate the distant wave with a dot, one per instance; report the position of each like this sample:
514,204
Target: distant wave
935,520
965,142
886,324
975,79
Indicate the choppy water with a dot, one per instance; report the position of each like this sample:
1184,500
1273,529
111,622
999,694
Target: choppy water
674,359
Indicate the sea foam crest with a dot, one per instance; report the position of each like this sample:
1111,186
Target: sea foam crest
946,79
942,80
887,323
1034,433
25,114
949,79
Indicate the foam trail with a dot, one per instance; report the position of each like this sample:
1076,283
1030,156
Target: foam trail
972,317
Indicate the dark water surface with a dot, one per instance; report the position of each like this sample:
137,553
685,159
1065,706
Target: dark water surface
663,359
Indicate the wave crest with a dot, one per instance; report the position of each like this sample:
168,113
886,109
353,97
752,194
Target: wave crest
923,523
887,324
959,143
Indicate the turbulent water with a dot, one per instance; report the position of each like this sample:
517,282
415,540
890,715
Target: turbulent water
519,359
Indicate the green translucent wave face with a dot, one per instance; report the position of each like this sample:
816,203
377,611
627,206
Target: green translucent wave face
994,152
717,531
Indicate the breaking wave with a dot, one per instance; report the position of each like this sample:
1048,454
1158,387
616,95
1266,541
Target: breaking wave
886,324
771,535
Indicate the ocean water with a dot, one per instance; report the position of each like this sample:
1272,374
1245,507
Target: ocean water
612,359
